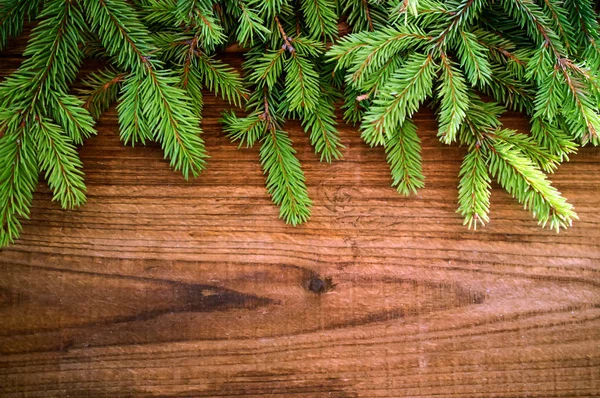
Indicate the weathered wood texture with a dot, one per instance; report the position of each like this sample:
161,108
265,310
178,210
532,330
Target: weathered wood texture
162,287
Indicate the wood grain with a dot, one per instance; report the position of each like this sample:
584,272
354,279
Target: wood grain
161,287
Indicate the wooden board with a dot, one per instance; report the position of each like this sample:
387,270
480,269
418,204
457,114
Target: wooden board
161,287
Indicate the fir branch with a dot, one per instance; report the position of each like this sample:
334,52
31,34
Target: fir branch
247,130
18,175
474,189
403,150
302,84
399,99
100,90
473,58
345,50
587,30
53,53
364,15
528,147
220,77
553,137
374,83
53,58
524,181
191,80
560,23
269,9
12,15
58,158
165,110
531,16
383,46
250,25
121,33
162,13
515,94
504,52
321,125
308,47
550,96
267,67
198,15
72,116
285,179
404,7
132,120
354,111
454,101
320,18
175,47
173,123
465,12
480,118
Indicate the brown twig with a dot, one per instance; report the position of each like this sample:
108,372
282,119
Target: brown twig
287,45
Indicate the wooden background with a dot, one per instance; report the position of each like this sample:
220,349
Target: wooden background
161,287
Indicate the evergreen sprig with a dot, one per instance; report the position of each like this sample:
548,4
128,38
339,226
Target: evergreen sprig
39,119
540,57
288,79
159,94
468,59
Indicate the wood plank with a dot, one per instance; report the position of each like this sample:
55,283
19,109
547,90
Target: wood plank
162,287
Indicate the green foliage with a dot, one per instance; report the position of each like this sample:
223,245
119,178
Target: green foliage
12,15
247,130
18,176
399,98
133,121
39,119
454,100
285,179
288,80
320,18
171,120
538,57
364,15
474,189
473,59
100,90
302,83
404,156
57,157
221,78
517,174
250,25
323,134
159,91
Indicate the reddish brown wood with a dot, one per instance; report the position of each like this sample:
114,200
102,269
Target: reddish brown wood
162,287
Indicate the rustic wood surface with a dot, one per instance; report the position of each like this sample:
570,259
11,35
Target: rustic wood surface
162,287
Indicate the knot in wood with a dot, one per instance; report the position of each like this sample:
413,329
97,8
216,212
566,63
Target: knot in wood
318,285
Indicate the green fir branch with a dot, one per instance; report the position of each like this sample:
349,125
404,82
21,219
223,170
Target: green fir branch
58,159
454,101
403,149
323,134
18,175
516,173
474,189
12,15
399,99
285,179
100,90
